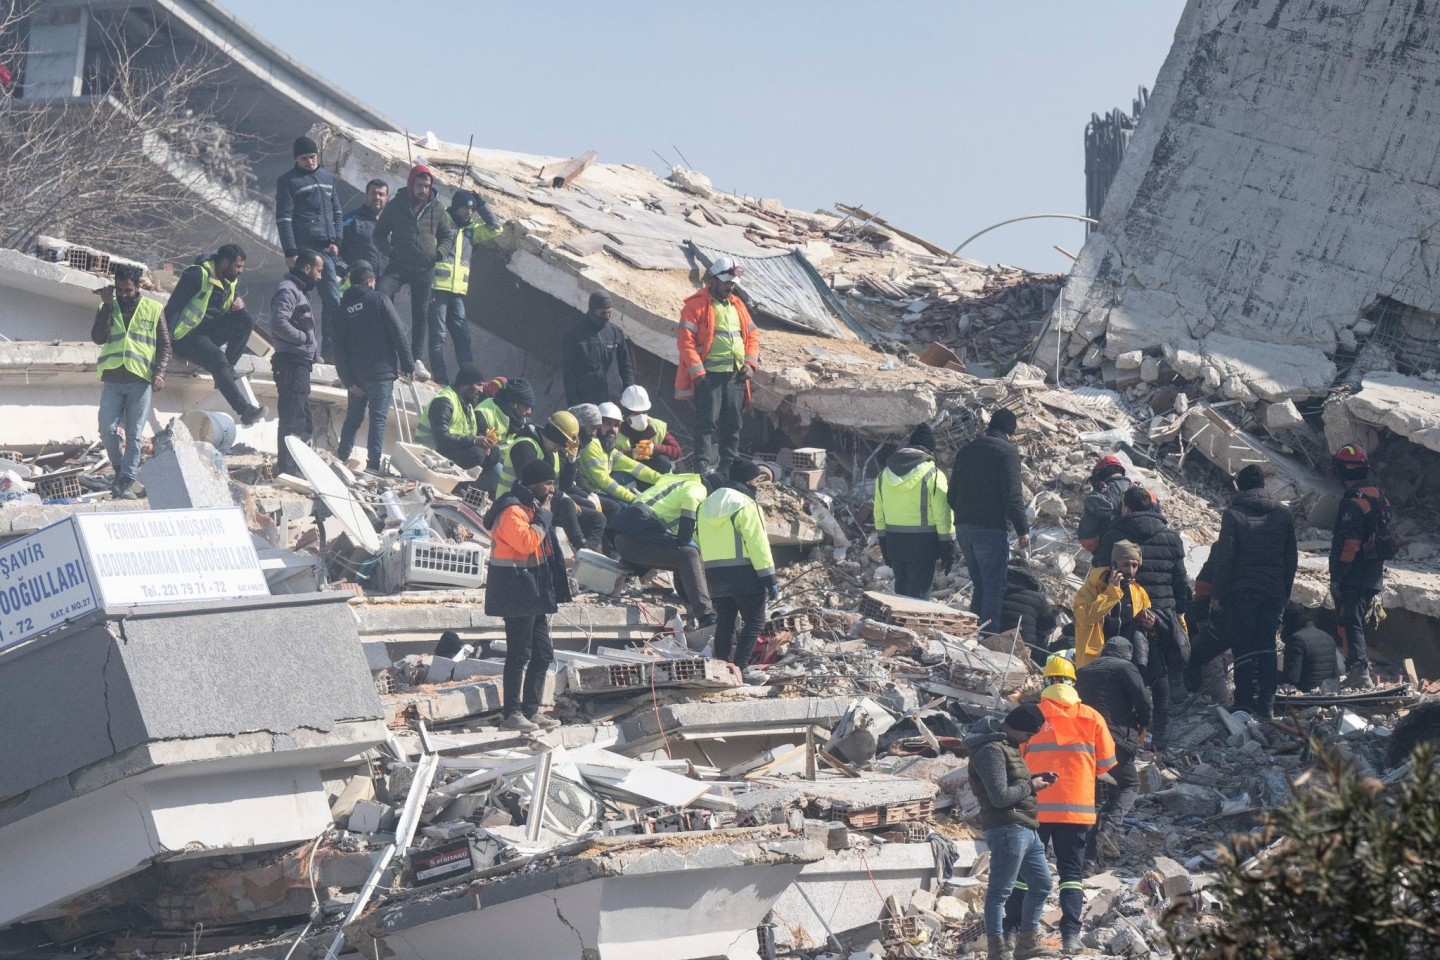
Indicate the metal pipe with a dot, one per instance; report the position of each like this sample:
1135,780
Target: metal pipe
1032,216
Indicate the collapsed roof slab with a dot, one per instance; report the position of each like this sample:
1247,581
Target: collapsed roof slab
172,732
1280,179
674,897
1407,406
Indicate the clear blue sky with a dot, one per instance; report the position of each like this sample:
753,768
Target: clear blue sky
942,116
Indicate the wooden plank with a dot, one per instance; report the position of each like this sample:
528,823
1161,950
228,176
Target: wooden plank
563,172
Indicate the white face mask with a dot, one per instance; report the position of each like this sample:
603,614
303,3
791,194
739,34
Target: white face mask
639,421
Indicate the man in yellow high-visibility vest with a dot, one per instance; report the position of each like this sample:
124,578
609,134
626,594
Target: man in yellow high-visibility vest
135,350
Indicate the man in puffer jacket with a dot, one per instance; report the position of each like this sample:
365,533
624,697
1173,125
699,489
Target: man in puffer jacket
1309,651
417,233
1029,607
912,515
1253,570
1108,484
1162,571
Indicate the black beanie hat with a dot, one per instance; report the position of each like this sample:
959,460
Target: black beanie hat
464,198
515,391
1250,478
744,471
537,471
600,300
469,373
304,145
1027,718
1004,421
922,437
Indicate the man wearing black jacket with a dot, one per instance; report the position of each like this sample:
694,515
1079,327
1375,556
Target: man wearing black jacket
1253,570
1309,651
308,217
357,239
1111,683
984,496
417,231
370,353
590,350
1162,552
1027,605
210,327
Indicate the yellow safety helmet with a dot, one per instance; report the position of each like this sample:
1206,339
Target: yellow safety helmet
1059,668
565,422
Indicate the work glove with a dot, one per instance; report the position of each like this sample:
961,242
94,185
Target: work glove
644,449
947,555
772,589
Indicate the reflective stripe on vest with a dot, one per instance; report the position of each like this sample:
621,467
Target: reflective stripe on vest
131,348
462,418
194,311
727,349
1066,808
925,526
739,560
507,462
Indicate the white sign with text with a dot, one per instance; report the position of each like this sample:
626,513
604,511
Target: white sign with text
171,556
44,582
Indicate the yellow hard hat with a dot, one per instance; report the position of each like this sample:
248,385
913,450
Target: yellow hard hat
1058,666
565,422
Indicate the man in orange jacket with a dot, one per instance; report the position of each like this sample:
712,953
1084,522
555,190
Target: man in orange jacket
719,353
1075,746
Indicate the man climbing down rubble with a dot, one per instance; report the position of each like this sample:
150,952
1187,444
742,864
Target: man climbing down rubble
656,531
450,426
599,464
1113,686
1359,546
719,348
1111,603
210,327
370,353
418,233
452,281
984,495
1006,791
739,568
1108,484
912,515
1309,651
645,438
134,353
292,330
526,581
1252,570
591,349
1074,745
557,443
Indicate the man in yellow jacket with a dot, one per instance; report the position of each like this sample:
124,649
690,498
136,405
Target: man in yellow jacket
738,565
1076,747
1111,604
912,515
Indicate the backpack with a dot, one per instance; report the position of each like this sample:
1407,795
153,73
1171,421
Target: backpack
1380,541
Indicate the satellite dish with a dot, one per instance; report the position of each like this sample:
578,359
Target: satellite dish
331,489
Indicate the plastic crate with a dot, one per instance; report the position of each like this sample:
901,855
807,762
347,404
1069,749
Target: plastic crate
430,563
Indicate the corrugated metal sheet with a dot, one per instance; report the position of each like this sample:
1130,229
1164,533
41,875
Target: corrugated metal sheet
784,289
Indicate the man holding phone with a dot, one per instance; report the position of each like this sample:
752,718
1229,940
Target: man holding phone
1070,751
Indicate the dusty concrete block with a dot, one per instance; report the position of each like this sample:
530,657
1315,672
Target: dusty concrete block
366,815
1279,416
188,475
1150,369
1130,360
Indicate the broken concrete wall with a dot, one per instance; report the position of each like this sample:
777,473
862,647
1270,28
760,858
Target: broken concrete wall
1281,180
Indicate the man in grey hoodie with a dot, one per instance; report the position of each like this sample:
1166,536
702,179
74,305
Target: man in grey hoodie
1006,790
292,329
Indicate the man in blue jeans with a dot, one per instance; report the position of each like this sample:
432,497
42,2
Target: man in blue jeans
135,351
1006,789
984,496
371,351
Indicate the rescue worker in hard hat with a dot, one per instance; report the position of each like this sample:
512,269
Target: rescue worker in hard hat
450,425
600,464
1075,746
1108,484
912,515
656,531
645,438
719,349
1110,604
557,443
738,564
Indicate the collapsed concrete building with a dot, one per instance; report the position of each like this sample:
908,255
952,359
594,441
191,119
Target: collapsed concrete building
299,773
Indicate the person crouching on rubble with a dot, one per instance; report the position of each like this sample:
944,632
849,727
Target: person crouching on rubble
134,353
1309,651
739,568
912,515
1076,747
1006,791
526,582
1111,604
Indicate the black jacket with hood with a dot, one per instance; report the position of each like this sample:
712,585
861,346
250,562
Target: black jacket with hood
1112,684
588,352
526,591
1102,508
1256,551
999,777
370,344
1309,658
1162,569
1027,606
985,488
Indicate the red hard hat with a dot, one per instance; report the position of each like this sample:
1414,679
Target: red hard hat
1352,454
1108,461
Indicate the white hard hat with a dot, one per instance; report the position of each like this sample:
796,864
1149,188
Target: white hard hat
725,269
635,399
608,411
